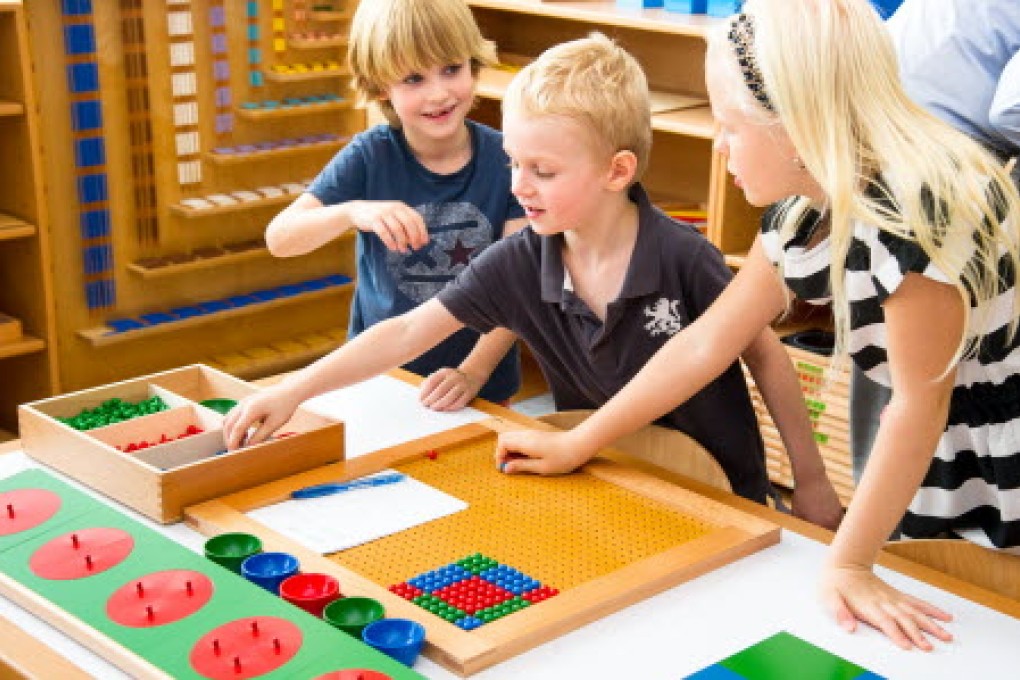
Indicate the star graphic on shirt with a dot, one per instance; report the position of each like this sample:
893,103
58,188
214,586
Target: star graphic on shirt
459,254
423,256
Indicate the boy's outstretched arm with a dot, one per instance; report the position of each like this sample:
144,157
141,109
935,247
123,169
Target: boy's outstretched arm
383,346
680,369
814,499
451,389
307,224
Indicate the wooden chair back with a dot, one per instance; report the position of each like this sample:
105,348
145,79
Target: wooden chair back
992,570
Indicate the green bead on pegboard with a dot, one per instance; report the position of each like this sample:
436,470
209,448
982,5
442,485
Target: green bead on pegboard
502,609
438,607
114,411
477,563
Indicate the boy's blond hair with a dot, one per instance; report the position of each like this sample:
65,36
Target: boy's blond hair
880,158
390,39
596,82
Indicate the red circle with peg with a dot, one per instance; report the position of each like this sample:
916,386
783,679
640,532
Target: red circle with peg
246,648
354,674
23,509
81,553
159,598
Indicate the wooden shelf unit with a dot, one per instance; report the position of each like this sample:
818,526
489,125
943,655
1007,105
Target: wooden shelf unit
198,264
12,228
274,154
324,16
606,13
695,121
181,210
204,111
291,111
26,345
671,48
269,360
306,44
100,337
11,108
274,76
28,364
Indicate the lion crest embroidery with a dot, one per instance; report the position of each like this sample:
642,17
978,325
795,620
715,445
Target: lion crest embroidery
665,317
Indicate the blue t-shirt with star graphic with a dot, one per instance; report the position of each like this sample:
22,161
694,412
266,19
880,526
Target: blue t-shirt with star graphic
464,212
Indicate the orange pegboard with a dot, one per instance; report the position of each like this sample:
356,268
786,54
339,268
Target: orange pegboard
561,530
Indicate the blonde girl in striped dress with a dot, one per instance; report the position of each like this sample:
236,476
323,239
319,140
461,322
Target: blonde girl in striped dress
911,230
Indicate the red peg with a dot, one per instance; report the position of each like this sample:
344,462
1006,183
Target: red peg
140,589
237,664
216,647
432,455
149,613
190,588
255,628
277,647
10,510
74,541
88,562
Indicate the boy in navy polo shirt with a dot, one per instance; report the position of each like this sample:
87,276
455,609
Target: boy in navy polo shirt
425,192
595,285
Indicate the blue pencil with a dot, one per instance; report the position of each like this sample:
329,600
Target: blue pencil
320,490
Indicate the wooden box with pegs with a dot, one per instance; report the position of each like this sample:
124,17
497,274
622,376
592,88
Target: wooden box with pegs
158,462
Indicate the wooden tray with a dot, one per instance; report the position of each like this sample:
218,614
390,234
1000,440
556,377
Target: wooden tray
606,537
160,481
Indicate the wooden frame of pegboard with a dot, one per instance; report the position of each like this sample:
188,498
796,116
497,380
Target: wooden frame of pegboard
732,534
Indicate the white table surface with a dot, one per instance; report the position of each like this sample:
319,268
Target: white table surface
667,636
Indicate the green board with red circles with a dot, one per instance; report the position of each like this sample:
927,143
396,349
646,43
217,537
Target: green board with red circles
184,615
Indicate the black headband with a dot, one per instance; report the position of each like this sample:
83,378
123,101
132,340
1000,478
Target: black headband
741,37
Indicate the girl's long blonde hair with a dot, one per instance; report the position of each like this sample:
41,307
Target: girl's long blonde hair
830,71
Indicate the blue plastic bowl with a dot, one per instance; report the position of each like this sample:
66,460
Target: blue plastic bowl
269,569
400,639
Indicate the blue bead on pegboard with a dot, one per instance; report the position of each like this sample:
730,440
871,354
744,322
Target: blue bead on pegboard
473,591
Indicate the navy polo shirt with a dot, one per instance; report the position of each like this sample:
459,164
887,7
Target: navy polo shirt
674,275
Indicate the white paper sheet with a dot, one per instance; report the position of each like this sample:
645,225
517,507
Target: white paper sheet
383,412
357,516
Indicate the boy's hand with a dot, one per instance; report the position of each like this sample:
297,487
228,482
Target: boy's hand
266,410
816,501
448,389
399,226
542,453
855,594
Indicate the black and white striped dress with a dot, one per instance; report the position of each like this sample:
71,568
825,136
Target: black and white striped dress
972,487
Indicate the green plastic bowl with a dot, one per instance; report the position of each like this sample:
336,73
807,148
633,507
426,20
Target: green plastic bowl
230,550
352,614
